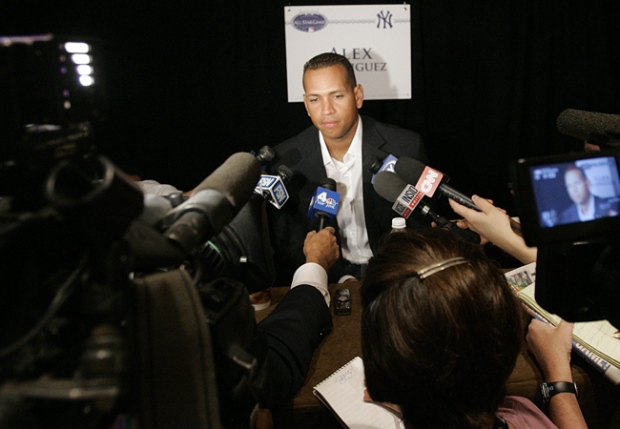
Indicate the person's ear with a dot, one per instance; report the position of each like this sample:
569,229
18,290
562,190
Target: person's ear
306,104
358,91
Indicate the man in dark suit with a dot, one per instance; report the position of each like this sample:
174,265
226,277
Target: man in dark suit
336,146
586,206
300,321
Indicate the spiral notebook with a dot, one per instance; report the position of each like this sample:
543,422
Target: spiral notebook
598,341
343,393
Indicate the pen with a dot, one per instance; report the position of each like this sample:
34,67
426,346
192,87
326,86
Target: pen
516,227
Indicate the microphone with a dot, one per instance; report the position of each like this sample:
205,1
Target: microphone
265,155
242,250
374,164
406,198
597,128
273,187
324,202
157,206
214,202
428,180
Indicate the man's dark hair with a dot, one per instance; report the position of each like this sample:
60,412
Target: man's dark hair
328,59
573,167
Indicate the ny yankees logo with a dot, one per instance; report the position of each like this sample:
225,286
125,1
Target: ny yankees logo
385,18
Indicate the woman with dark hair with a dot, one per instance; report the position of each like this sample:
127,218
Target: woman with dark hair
441,331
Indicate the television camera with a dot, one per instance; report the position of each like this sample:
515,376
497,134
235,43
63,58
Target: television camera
81,274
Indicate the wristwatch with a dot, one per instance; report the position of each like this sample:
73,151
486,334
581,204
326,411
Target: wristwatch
549,390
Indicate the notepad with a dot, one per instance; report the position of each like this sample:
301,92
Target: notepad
343,393
595,341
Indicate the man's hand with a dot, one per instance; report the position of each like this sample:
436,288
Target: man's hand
322,248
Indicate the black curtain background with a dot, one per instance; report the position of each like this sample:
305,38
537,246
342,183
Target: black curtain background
191,82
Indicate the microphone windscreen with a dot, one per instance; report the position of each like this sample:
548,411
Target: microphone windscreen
372,163
265,155
328,183
285,173
409,169
388,185
236,178
591,126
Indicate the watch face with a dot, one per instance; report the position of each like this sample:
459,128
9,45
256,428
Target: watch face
544,390
548,390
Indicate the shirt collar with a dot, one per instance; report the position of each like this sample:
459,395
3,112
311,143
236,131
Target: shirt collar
354,150
591,210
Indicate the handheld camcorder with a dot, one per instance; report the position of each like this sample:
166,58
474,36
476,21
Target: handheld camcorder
569,206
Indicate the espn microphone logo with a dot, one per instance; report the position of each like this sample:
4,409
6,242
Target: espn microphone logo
272,187
429,181
266,181
407,201
280,195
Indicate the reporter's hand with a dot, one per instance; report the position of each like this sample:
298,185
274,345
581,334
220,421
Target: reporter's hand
493,223
551,347
462,224
322,247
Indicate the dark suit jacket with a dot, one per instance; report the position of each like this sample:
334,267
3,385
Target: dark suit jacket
293,331
302,154
603,207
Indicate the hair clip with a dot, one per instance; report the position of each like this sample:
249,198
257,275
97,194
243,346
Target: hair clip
440,266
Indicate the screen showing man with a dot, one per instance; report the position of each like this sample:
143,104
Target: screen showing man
578,191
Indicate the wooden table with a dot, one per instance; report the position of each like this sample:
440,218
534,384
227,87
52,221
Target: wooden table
599,399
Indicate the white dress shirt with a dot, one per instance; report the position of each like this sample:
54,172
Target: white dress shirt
350,217
589,214
314,275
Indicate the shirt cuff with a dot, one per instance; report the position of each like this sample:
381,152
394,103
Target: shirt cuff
314,275
346,277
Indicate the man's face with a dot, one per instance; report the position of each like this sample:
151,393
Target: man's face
577,186
331,103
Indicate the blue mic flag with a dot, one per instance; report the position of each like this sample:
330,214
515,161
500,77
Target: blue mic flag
388,165
324,203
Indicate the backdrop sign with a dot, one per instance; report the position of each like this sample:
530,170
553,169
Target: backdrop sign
375,38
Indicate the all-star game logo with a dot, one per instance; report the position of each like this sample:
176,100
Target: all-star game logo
309,22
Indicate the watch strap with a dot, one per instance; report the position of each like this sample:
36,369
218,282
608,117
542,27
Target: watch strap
500,423
549,390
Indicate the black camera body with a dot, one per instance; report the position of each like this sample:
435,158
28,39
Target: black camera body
52,95
70,236
546,210
569,206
